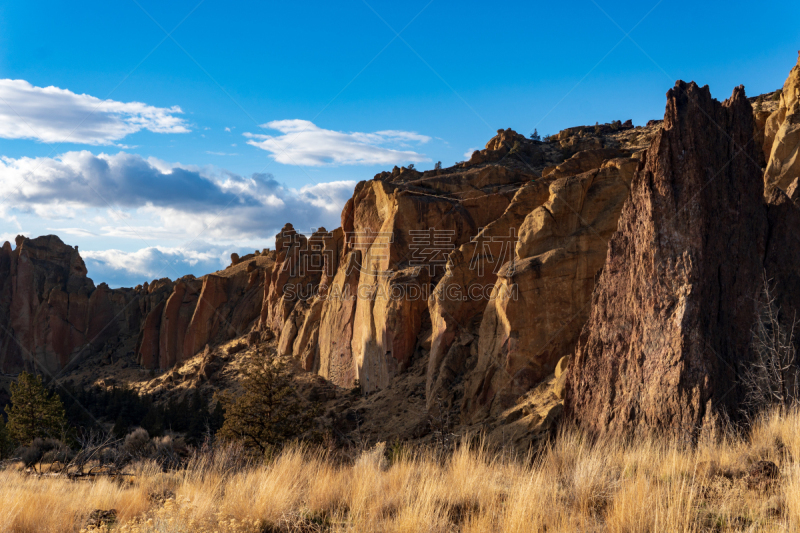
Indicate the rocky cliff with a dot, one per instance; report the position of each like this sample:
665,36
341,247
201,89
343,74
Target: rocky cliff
50,312
612,267
674,306
782,135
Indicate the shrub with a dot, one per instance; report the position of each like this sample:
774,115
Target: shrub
44,451
772,379
137,443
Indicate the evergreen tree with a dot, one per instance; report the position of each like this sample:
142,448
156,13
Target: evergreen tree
535,135
5,441
34,412
153,421
217,417
268,412
199,418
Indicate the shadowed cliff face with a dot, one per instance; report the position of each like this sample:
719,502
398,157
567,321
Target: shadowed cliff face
44,304
52,316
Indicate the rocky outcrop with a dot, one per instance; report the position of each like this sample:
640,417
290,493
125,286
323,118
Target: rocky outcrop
782,135
177,315
673,308
184,316
582,162
50,312
541,297
469,288
466,287
405,236
205,320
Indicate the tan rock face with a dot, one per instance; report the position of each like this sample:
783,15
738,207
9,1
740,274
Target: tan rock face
503,144
205,320
336,361
465,288
782,135
582,162
673,308
296,275
784,161
178,312
541,299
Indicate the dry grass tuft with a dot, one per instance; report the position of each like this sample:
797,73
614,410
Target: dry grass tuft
574,485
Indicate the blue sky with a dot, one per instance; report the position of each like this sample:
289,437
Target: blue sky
162,136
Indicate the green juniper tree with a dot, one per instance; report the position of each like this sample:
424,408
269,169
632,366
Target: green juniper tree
268,412
34,412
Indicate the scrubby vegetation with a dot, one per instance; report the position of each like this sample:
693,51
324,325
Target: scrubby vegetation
724,483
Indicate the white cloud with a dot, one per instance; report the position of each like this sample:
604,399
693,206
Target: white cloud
51,114
78,232
119,268
468,153
127,196
304,143
10,237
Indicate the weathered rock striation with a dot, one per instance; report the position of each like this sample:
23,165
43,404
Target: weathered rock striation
673,308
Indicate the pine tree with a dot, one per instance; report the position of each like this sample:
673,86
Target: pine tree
535,135
269,412
34,412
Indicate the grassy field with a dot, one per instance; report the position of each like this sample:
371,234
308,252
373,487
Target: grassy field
572,486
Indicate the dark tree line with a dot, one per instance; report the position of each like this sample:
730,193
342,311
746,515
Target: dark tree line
128,410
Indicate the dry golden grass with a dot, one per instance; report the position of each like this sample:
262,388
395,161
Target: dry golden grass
645,486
